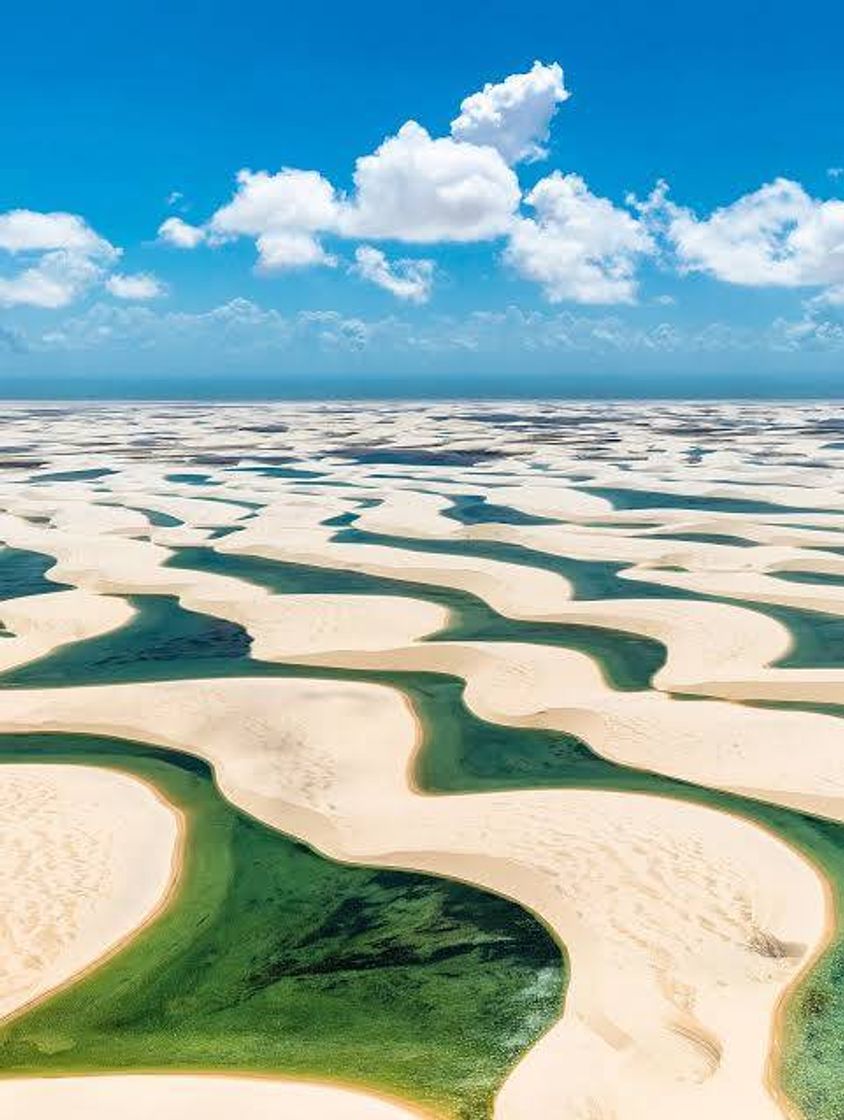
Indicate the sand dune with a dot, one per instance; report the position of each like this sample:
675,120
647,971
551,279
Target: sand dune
39,624
87,856
182,1097
790,758
750,587
670,990
509,588
713,648
115,565
685,926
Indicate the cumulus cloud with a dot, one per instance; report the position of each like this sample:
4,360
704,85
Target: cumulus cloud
579,246
777,236
136,286
181,234
241,329
56,279
29,231
409,280
832,297
814,331
283,212
291,249
420,189
513,116
289,200
57,257
238,328
414,187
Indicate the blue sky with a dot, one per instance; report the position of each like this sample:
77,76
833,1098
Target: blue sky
528,244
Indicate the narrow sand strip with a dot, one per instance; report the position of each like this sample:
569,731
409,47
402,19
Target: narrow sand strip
40,624
184,1097
673,989
710,645
87,857
643,551
512,589
753,587
789,758
120,566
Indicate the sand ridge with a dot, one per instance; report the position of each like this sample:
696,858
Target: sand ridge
686,927
653,975
88,857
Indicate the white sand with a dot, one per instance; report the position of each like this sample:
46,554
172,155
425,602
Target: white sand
791,758
672,991
40,624
183,1097
513,589
685,926
713,648
87,856
750,587
118,566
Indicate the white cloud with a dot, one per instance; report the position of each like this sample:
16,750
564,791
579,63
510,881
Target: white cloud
579,247
414,188
291,249
419,189
289,200
407,279
777,236
58,258
236,325
29,231
137,286
241,329
832,297
813,331
56,279
283,212
180,234
513,116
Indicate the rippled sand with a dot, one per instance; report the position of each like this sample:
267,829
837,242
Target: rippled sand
88,856
685,926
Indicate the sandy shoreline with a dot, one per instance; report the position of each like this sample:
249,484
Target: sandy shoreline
90,858
40,624
686,927
186,1096
789,757
713,648
587,862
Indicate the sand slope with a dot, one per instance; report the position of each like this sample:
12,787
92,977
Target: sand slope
174,1097
86,857
672,990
